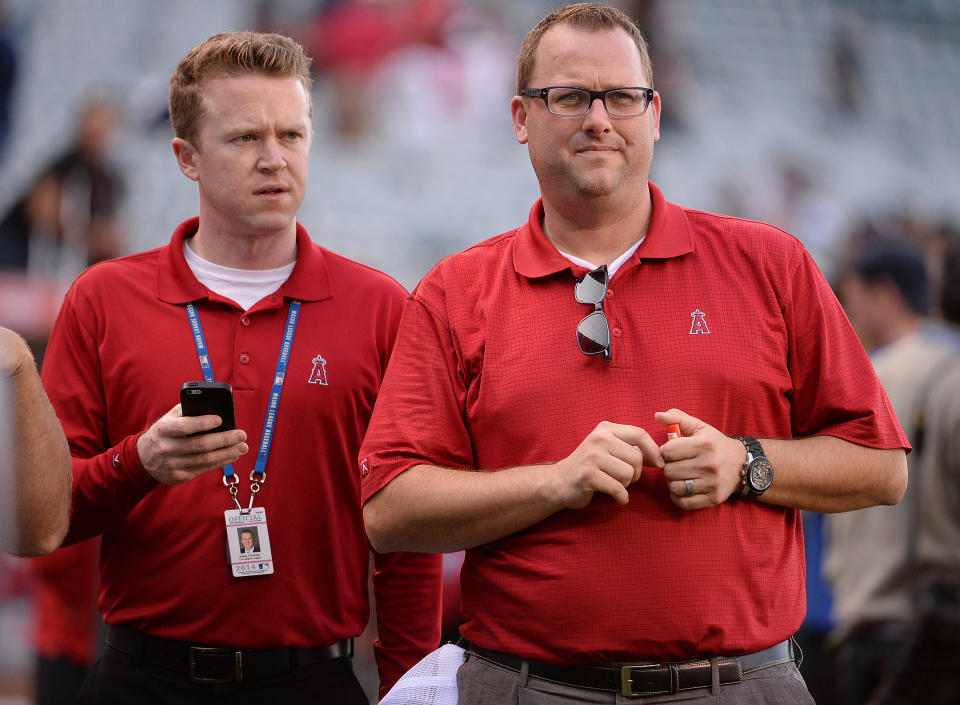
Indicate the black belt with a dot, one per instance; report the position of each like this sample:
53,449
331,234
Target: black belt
214,664
644,679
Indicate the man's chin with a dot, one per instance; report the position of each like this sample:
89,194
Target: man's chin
597,188
272,222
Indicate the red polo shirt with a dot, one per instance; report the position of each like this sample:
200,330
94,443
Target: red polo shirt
120,350
726,319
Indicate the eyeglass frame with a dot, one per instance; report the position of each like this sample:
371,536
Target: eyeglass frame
597,308
542,93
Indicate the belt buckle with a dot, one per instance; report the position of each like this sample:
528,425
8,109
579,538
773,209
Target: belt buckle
237,664
626,681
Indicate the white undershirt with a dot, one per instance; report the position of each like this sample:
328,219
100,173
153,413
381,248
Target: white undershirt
245,286
612,267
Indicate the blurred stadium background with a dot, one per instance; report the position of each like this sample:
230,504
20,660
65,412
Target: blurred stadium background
829,118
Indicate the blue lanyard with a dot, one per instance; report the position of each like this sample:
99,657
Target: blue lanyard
271,420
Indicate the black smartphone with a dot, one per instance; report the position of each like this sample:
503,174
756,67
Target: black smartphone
202,398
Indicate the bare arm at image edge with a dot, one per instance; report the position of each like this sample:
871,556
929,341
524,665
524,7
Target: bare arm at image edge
40,457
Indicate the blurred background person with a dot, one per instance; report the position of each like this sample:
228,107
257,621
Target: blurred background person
950,283
843,71
351,40
67,633
68,219
813,637
8,75
805,206
880,559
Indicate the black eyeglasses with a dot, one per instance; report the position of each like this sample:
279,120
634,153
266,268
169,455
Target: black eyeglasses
574,102
593,332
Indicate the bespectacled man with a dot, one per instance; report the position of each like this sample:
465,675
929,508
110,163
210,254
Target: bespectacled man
603,561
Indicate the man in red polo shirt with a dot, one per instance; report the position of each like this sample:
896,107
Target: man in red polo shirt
522,416
240,295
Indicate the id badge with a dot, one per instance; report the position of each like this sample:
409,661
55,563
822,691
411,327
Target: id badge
248,543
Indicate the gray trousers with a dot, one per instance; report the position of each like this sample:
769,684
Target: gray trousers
481,682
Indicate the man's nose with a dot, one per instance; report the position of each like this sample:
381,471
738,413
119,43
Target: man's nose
597,117
271,156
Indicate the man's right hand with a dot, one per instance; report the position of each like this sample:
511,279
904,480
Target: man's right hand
437,509
172,456
608,460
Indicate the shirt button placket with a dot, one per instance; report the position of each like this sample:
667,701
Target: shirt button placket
614,330
244,331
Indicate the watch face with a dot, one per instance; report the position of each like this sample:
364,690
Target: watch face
760,475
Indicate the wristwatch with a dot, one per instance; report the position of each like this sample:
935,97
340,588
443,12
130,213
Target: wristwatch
756,475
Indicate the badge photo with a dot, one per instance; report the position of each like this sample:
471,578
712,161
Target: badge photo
248,543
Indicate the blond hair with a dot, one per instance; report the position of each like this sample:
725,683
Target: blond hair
230,54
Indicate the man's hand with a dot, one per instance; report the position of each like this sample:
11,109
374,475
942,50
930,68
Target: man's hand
438,509
172,456
710,459
608,460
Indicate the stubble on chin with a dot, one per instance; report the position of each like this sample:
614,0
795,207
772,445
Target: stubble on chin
595,183
577,181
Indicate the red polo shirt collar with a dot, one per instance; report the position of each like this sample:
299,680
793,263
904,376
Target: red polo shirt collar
667,236
176,284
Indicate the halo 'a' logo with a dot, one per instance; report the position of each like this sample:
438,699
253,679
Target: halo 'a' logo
319,373
699,324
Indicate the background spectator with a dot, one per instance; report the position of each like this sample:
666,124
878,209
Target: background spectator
68,219
880,561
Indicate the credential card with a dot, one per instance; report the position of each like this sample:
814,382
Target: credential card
248,543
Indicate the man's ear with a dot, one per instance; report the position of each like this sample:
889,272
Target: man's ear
654,109
186,155
519,112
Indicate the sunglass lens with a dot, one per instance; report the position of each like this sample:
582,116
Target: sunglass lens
591,287
593,334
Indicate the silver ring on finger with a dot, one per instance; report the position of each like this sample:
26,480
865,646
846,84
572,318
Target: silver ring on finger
689,485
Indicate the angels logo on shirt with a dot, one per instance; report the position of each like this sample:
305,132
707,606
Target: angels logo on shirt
699,324
319,373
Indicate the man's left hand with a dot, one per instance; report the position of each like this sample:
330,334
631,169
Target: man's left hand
710,460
